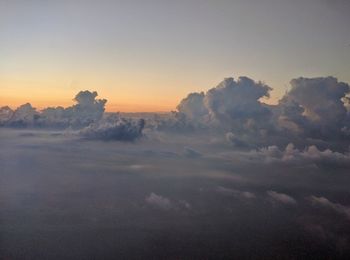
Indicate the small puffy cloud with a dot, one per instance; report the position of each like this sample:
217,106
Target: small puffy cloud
163,203
324,202
281,197
185,204
120,130
159,201
235,192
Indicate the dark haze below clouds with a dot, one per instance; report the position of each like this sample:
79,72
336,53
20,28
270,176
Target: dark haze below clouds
165,196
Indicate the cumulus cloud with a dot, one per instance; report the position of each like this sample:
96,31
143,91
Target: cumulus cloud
23,116
232,105
281,198
193,106
5,114
87,110
313,110
315,106
337,207
237,103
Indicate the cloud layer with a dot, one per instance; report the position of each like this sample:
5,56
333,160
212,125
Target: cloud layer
87,110
87,114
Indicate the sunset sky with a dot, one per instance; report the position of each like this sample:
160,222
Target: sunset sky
148,55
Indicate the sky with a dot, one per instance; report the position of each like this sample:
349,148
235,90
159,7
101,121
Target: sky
225,176
147,55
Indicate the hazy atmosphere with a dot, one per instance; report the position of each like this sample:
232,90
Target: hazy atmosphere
174,130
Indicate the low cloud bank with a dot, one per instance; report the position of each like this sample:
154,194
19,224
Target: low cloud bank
86,111
310,155
315,111
87,114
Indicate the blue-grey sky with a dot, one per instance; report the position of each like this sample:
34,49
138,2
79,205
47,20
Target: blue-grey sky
147,55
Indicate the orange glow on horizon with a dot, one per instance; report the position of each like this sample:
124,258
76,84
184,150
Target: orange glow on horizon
110,107
40,104
124,96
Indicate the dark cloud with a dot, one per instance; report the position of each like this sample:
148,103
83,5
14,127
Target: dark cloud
315,107
325,203
226,200
120,129
236,104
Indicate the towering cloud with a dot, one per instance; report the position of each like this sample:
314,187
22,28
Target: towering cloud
313,110
236,104
233,105
23,116
315,107
193,106
87,110
5,114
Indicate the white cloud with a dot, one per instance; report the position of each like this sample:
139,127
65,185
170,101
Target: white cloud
163,203
159,201
281,197
235,192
